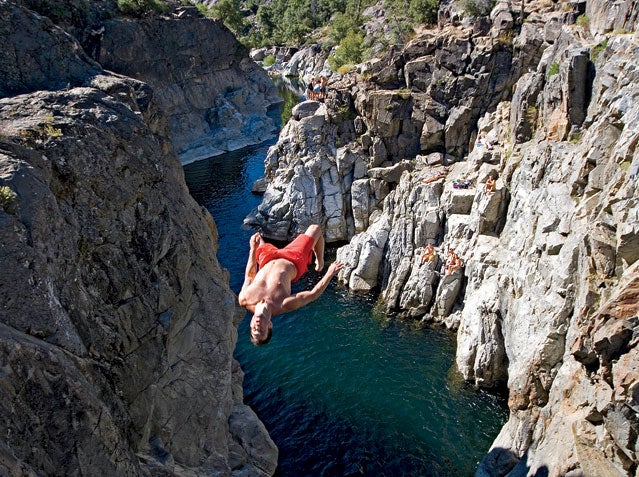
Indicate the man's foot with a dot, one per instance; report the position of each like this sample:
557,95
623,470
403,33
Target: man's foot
319,263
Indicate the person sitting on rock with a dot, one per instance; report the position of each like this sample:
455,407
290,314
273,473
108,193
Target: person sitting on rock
489,186
453,263
428,255
266,291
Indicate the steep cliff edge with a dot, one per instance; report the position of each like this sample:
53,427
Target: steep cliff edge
545,302
117,325
215,97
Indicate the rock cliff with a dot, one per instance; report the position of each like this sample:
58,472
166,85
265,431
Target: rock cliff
117,324
545,303
215,97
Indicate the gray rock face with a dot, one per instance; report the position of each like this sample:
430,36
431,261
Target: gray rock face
213,94
24,68
117,325
307,62
545,302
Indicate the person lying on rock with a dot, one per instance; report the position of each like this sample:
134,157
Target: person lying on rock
433,177
266,291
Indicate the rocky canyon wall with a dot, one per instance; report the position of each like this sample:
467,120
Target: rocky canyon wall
545,303
117,324
215,97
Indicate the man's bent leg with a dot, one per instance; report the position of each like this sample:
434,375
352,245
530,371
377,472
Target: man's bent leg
318,247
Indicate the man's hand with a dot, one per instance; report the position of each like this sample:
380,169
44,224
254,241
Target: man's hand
334,268
255,241
302,298
251,266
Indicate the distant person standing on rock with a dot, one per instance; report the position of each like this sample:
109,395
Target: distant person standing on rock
266,291
310,93
94,42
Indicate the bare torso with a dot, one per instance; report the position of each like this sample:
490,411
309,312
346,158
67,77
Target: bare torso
272,283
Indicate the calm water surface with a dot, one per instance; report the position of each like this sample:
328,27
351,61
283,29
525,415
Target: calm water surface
342,389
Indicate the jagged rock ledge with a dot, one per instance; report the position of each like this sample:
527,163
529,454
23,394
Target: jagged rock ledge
117,324
546,301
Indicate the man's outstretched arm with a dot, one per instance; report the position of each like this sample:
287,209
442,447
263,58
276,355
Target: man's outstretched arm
251,263
300,299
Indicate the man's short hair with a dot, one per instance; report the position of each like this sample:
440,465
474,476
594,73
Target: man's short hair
257,342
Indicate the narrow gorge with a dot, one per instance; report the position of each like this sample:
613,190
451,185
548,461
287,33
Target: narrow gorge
118,324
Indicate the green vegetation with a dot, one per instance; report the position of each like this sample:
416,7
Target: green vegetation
269,60
230,12
553,70
204,10
52,131
61,11
575,138
139,8
477,8
345,112
337,22
423,11
404,93
344,69
583,21
594,53
8,199
531,115
350,51
506,38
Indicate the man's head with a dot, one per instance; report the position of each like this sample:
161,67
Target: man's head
261,325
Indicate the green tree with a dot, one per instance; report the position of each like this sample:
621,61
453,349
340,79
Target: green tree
340,26
477,8
295,22
349,51
230,12
424,11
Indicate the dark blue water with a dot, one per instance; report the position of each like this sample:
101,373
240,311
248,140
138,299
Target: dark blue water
342,389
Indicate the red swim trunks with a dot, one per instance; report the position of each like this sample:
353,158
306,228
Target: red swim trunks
299,252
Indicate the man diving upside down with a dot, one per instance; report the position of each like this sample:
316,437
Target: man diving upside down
266,291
